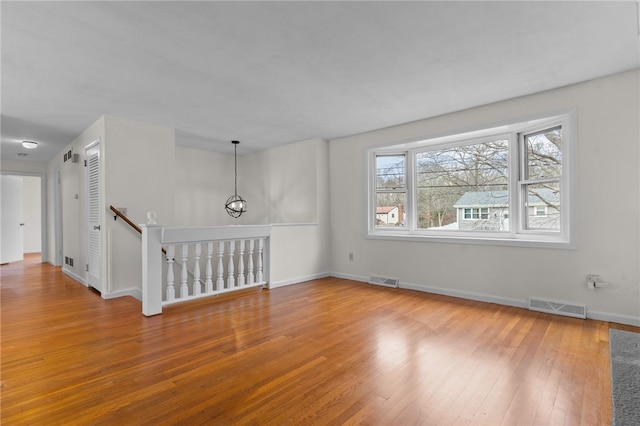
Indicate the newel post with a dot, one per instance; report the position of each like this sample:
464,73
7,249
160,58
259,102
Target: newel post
151,269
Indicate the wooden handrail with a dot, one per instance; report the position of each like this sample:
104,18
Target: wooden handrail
126,219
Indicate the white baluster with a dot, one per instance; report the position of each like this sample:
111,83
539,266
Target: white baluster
241,278
220,281
259,273
184,288
250,277
231,281
196,270
209,271
171,291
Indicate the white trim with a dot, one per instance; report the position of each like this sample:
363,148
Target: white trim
617,318
282,225
479,297
351,277
74,276
487,298
173,235
44,235
133,292
525,241
298,280
57,217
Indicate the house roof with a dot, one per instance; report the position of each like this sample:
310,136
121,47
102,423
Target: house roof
501,198
385,209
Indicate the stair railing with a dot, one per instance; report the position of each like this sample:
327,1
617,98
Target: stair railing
231,257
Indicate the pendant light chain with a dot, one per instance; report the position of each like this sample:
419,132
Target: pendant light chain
235,167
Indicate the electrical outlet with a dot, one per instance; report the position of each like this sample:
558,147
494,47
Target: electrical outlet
351,257
592,281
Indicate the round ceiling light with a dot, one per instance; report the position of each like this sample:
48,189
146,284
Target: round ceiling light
30,144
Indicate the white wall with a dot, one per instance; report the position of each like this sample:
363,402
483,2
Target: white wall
607,211
283,183
204,181
139,174
73,200
296,182
286,186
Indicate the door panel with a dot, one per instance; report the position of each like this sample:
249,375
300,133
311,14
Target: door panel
12,227
94,211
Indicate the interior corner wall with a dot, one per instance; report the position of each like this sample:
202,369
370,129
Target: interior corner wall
299,179
287,187
608,209
282,182
73,201
139,175
204,181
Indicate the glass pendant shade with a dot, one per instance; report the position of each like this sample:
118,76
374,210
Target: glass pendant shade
235,205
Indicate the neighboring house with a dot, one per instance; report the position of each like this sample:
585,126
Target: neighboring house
388,215
489,210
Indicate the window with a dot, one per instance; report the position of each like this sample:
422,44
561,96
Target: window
510,184
476,213
540,210
390,189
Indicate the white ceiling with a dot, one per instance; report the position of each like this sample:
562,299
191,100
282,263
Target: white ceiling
272,73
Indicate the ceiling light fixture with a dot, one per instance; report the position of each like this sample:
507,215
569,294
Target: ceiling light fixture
30,144
235,205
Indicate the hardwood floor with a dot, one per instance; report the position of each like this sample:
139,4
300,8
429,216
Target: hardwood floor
328,351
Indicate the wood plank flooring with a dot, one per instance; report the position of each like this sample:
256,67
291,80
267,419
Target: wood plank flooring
328,351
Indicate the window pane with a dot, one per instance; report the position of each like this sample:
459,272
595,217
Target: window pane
543,206
390,172
390,209
544,154
463,187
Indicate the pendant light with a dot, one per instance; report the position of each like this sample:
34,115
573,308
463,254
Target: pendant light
235,204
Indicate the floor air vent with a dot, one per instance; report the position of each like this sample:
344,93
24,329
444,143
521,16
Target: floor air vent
384,281
559,308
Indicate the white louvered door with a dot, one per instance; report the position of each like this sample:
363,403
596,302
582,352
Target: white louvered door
94,212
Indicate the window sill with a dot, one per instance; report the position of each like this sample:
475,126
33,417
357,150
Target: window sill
521,240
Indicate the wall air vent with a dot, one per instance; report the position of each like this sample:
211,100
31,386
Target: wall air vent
558,308
383,281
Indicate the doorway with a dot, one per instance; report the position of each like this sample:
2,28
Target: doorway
25,203
94,215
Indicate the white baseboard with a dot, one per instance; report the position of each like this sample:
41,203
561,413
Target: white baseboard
620,319
298,280
350,277
481,297
74,276
133,292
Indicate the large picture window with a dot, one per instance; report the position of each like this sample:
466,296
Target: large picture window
510,184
